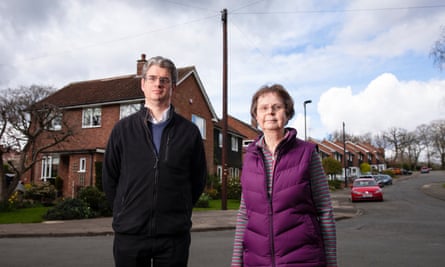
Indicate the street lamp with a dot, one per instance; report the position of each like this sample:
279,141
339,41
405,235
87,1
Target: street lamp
305,102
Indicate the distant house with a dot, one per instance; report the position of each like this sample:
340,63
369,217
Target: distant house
355,154
249,132
93,107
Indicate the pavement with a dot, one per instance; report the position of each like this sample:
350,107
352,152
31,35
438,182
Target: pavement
202,220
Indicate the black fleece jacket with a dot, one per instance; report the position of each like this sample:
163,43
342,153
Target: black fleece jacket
153,194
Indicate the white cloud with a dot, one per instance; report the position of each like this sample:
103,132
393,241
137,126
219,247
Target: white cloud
386,102
308,46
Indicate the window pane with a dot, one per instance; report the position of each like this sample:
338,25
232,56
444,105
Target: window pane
128,109
91,117
82,165
234,143
200,122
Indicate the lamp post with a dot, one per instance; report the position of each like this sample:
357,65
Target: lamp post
305,102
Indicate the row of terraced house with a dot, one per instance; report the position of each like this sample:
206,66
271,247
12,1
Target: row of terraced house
92,108
355,154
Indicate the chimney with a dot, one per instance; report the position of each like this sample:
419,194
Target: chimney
140,65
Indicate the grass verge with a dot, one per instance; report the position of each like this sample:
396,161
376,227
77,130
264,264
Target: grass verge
35,214
25,215
215,204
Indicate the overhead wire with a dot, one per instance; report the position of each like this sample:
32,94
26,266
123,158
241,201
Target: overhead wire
235,11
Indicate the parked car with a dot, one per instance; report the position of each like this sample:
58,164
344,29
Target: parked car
424,169
375,177
366,189
396,171
406,172
385,178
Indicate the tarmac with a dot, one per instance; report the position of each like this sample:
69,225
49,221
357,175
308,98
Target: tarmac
202,220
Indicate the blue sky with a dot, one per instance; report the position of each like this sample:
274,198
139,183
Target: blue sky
363,62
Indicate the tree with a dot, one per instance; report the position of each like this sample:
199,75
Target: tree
438,51
438,138
24,122
393,138
365,167
423,133
332,166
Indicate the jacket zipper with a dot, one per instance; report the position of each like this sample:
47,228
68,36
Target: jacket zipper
151,227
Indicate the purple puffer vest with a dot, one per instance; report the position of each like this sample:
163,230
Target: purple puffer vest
283,229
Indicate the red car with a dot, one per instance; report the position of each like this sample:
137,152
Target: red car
366,189
424,170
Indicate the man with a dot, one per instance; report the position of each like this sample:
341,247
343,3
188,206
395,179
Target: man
154,171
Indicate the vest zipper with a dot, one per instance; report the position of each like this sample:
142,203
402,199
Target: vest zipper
271,225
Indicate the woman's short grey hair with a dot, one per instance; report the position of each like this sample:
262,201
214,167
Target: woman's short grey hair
163,63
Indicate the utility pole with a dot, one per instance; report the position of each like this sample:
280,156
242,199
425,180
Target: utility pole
224,115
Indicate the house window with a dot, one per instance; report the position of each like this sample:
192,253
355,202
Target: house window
236,172
55,124
91,117
82,165
49,168
234,143
246,143
220,140
128,109
219,171
201,123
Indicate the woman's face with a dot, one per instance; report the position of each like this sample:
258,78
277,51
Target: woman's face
271,112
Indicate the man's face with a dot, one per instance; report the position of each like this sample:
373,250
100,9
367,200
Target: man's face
157,86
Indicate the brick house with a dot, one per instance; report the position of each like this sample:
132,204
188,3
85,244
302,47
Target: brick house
92,108
239,136
355,154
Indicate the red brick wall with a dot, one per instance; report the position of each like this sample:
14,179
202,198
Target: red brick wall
189,100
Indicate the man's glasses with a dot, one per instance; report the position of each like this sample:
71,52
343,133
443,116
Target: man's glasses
162,80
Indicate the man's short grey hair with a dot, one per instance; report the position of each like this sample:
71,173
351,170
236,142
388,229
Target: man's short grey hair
163,63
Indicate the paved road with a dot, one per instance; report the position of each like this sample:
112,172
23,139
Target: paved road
405,230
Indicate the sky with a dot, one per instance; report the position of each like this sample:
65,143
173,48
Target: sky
364,63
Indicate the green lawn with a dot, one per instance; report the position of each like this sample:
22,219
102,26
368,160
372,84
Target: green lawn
35,215
25,215
216,205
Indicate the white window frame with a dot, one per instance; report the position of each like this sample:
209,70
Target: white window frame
128,109
91,117
47,167
246,143
201,123
235,143
56,123
82,165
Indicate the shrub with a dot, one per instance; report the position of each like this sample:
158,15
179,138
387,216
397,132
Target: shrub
335,184
203,201
69,209
234,188
96,200
213,193
44,193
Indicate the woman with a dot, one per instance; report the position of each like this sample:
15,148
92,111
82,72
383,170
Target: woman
285,216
